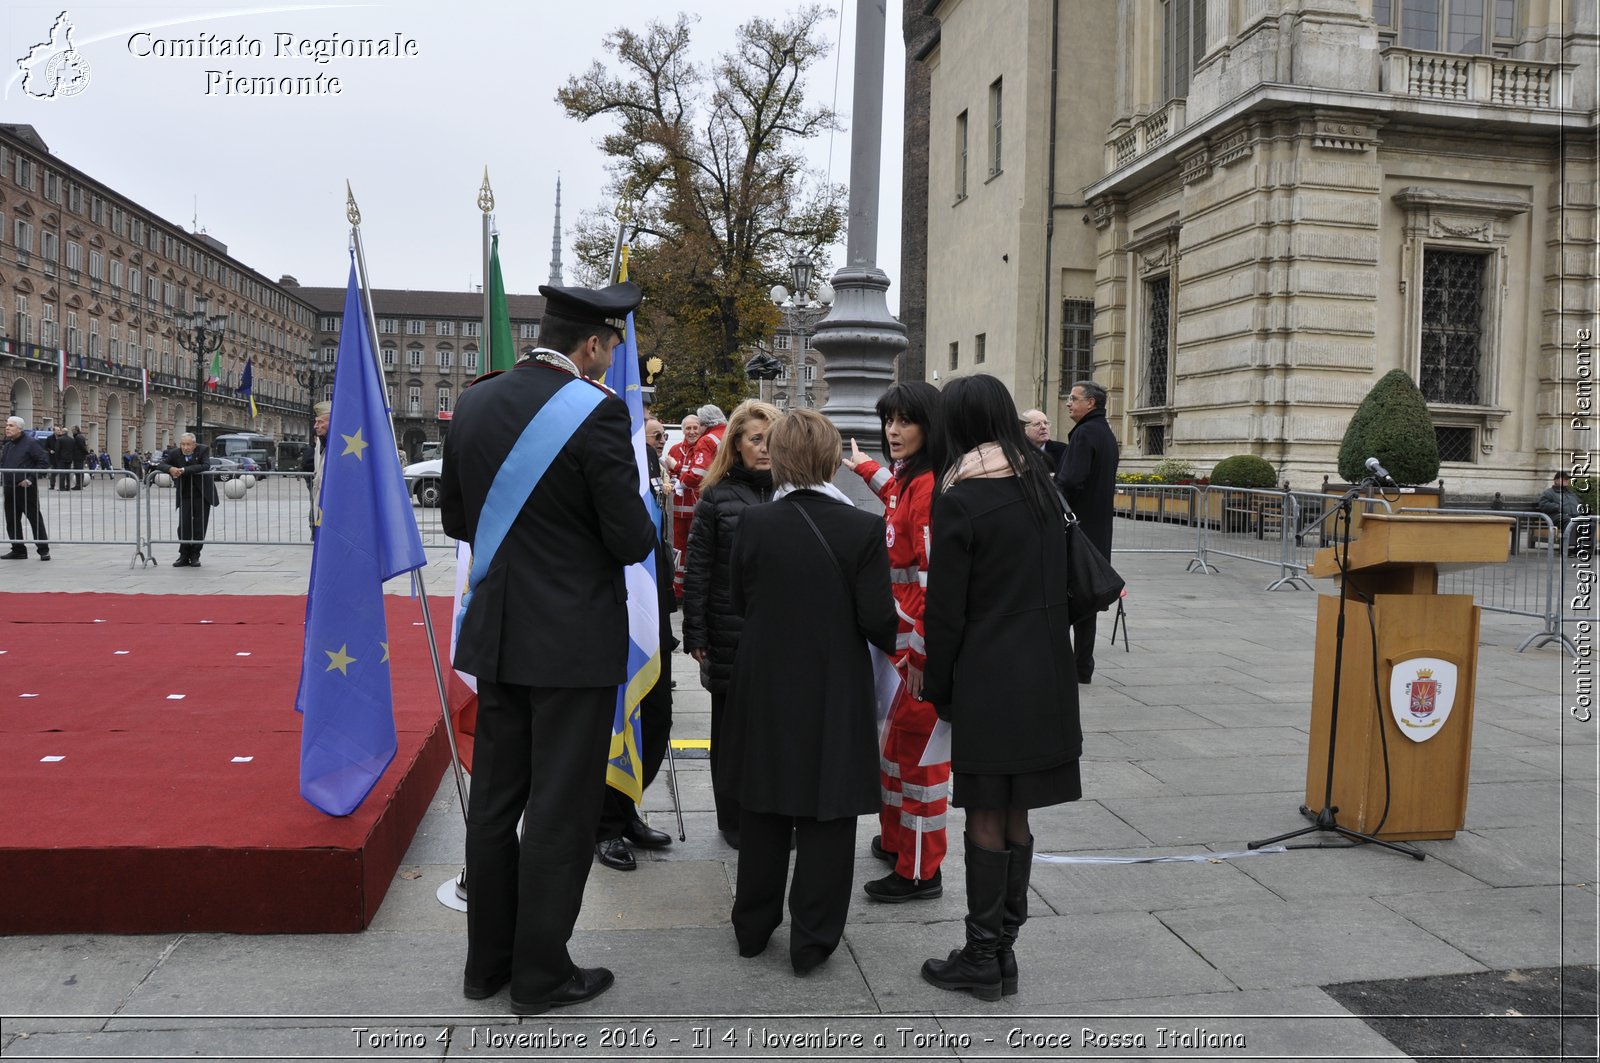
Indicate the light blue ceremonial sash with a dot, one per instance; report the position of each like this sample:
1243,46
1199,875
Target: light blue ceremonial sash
521,472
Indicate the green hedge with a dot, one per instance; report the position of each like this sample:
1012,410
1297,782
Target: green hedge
1244,470
1393,425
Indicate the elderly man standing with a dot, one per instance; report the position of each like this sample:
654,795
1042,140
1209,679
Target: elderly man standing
188,464
1036,426
1088,477
539,477
21,458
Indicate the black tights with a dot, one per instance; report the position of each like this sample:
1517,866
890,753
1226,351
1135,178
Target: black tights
998,828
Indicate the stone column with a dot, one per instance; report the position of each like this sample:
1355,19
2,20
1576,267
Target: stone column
859,338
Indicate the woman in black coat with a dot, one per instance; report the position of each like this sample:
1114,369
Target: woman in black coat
810,576
1000,667
740,476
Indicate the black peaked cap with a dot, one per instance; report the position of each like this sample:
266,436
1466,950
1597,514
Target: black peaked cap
592,306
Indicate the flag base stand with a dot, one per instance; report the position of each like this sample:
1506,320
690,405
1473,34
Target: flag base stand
447,894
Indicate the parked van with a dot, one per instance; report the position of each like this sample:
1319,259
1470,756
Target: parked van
246,444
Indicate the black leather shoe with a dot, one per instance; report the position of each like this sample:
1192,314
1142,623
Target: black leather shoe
44,555
893,888
881,853
615,854
194,562
586,983
640,834
182,562
15,555
473,989
732,838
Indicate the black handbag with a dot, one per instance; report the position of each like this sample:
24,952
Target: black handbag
1093,586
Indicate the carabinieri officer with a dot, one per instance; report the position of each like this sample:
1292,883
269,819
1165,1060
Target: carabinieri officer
539,477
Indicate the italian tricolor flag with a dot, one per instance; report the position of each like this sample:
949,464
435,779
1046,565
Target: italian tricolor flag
214,377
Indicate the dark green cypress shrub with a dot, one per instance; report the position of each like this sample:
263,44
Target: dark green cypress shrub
1392,424
1244,470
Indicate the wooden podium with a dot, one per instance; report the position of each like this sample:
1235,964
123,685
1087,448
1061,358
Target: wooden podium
1427,657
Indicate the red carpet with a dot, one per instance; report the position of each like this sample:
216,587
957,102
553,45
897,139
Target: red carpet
175,803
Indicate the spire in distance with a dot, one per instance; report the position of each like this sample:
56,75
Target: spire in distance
555,240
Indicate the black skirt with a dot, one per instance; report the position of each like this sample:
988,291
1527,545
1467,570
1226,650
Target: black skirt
1031,789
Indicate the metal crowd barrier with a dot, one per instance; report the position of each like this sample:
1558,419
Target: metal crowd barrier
1271,527
1573,588
1158,519
103,508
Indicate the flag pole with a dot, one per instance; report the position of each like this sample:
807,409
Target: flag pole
486,346
371,323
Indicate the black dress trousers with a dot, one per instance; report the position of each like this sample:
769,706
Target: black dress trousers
819,897
539,754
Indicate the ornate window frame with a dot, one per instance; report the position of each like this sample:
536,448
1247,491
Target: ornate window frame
1451,219
1152,254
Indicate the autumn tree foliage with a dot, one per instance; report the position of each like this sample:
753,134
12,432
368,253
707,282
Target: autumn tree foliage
719,198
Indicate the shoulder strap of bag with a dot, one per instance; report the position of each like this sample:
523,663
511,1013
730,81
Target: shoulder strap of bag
833,558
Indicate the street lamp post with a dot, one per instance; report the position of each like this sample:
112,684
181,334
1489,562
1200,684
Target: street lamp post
801,314
310,375
201,335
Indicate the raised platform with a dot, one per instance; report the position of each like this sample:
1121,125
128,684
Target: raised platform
149,768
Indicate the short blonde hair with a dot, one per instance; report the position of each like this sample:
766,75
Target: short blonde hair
728,450
804,448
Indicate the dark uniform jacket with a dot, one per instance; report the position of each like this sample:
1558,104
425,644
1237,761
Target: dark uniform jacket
800,732
552,610
196,481
709,619
1000,661
1088,476
21,453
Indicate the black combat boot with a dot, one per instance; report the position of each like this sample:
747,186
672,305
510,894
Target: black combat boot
975,967
1018,871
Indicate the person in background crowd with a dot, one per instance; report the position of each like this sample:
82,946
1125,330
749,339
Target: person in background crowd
21,458
620,824
1561,504
188,464
546,633
1036,427
914,795
59,446
312,459
810,576
740,476
80,457
1088,478
105,462
999,667
684,498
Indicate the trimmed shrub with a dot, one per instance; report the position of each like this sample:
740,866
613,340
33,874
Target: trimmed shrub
1244,470
1172,470
1392,424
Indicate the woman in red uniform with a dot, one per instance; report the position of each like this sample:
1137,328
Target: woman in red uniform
915,796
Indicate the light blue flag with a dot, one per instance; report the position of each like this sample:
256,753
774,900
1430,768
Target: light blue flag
368,535
624,770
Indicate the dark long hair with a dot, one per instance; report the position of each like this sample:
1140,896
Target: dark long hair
918,402
978,409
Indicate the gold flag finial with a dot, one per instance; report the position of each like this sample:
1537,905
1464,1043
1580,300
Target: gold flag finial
486,194
351,211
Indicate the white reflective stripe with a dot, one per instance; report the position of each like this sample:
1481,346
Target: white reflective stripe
922,578
916,860
921,823
918,644
890,798
889,768
926,794
907,575
902,641
905,618
880,478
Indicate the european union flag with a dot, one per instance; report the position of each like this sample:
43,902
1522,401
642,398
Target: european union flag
368,535
624,769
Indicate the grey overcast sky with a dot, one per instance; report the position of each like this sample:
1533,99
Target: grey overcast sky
266,174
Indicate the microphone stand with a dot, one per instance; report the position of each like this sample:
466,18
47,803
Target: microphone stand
1324,821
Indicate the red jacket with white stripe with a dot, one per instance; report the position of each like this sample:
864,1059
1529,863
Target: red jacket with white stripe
907,510
692,473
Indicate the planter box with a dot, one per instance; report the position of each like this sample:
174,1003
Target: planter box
1172,507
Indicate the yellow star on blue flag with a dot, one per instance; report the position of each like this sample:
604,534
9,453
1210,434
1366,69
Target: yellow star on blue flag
368,535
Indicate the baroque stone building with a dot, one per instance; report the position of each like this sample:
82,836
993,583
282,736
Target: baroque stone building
1238,214
87,271
429,344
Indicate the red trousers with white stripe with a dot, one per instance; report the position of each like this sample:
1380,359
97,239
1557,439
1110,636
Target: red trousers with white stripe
915,798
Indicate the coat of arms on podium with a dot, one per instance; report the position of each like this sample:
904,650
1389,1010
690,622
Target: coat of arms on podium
1422,691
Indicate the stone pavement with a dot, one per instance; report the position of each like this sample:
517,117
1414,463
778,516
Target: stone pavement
1195,741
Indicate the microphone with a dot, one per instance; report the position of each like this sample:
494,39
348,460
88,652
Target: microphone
1379,473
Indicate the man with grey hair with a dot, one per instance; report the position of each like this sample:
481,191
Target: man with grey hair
1036,426
189,465
1088,478
713,426
21,456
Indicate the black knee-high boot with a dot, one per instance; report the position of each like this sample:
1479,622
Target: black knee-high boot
1018,871
976,967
